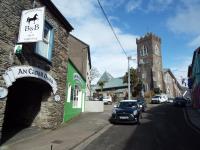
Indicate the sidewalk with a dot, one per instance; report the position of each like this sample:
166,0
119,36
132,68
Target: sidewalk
81,130
193,116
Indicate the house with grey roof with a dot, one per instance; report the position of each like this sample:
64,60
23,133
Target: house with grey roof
112,86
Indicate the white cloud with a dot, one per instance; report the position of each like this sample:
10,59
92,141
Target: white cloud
148,6
186,19
158,5
195,42
91,27
133,4
181,69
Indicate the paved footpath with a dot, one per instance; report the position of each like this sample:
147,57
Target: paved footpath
72,135
193,116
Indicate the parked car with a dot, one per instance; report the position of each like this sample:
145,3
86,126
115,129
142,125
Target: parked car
180,101
126,111
170,100
107,100
142,104
159,99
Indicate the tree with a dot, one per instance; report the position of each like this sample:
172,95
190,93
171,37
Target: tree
101,84
135,83
94,73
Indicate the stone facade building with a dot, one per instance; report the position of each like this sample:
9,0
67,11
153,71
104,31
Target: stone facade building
150,69
149,59
35,81
172,87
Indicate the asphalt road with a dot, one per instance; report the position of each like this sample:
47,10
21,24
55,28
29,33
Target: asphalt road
163,127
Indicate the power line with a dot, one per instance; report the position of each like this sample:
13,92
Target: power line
112,28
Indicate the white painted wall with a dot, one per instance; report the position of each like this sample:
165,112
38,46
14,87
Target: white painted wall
94,106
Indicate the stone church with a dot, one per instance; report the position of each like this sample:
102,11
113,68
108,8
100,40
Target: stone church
150,68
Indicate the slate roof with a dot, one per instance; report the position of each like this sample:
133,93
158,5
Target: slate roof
105,77
113,83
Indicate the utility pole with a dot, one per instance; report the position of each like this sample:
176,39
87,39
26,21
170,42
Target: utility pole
129,80
129,88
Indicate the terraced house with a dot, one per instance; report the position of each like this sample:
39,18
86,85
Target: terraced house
34,65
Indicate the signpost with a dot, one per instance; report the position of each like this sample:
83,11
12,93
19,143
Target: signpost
32,25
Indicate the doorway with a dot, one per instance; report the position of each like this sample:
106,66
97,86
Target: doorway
23,105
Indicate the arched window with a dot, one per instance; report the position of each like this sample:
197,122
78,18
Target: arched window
144,51
157,51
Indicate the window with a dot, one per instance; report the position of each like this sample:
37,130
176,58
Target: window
157,51
143,51
69,93
45,47
76,97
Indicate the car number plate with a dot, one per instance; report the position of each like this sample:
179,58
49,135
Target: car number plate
123,117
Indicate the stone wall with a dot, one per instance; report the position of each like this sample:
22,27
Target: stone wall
51,113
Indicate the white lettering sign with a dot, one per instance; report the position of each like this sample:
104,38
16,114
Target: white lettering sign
3,92
16,72
32,25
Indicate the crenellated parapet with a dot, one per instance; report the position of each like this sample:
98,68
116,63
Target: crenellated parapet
147,37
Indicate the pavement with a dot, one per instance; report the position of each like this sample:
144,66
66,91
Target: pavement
73,135
79,132
193,117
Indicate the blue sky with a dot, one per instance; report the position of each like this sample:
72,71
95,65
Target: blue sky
176,22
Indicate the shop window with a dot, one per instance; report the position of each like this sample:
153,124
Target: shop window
44,48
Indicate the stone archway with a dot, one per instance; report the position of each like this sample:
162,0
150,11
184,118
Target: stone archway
23,105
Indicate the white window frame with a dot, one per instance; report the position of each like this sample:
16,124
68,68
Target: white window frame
44,48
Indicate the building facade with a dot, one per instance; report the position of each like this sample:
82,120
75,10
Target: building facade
172,87
32,78
79,54
114,87
76,90
194,78
149,59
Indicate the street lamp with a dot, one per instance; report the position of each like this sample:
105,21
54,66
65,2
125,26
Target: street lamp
129,86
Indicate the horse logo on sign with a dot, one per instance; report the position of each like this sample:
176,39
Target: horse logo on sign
29,19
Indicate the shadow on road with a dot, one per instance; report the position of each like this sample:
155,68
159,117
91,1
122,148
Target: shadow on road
163,127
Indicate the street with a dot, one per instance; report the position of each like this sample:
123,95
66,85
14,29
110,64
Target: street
163,127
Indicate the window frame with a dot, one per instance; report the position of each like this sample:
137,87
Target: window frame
39,49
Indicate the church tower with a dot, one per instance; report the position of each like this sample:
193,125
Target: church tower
149,59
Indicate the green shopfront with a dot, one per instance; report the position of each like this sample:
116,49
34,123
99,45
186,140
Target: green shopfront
75,94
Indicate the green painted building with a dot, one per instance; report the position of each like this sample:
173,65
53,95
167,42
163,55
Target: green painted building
75,94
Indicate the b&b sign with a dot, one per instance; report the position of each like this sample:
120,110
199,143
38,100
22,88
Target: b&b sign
31,25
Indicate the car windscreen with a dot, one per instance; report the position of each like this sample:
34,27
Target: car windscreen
127,104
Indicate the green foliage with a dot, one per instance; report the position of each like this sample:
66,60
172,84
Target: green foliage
135,83
101,84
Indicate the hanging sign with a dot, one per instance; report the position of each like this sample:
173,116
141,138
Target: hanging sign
3,92
16,72
31,25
